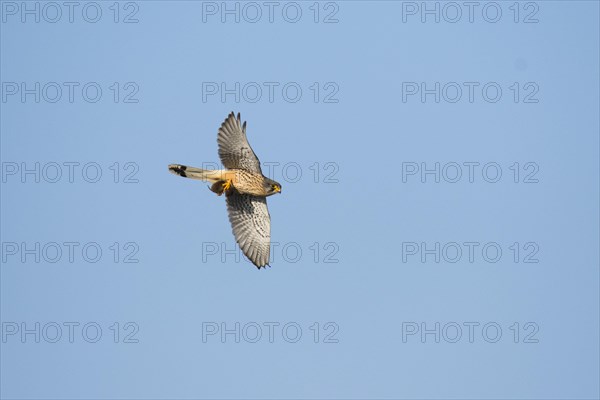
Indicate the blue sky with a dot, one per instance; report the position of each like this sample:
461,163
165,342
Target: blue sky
437,232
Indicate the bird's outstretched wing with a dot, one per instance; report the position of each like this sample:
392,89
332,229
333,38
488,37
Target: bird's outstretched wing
234,149
251,225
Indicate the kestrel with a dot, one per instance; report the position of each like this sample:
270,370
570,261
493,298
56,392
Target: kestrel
246,189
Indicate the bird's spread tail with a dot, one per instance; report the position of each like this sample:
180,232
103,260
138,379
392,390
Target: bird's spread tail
195,173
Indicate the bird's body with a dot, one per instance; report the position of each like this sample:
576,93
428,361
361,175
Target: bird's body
245,188
243,181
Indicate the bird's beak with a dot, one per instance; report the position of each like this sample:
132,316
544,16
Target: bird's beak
278,189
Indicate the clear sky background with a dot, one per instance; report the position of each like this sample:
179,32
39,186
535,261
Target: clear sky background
355,262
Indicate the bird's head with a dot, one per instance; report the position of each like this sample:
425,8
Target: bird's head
272,187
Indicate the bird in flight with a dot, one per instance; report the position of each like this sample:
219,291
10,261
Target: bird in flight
246,189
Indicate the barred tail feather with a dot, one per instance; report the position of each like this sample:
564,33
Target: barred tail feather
195,173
